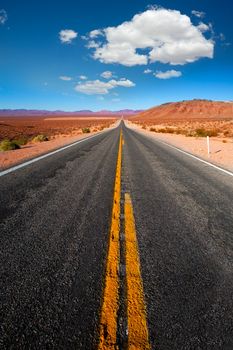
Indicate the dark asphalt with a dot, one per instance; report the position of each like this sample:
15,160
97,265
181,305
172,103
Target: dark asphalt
53,246
55,219
184,218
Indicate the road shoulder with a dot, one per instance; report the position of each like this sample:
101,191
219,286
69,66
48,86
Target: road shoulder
221,153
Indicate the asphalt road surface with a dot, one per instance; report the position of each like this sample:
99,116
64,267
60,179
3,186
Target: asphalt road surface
56,216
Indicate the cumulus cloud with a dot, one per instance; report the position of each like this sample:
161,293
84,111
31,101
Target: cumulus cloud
168,74
67,35
98,87
157,34
3,16
106,75
198,14
147,71
65,78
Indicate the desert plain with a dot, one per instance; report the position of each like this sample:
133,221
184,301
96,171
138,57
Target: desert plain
184,124
58,130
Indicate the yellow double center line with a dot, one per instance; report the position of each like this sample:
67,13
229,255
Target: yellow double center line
108,321
138,337
136,311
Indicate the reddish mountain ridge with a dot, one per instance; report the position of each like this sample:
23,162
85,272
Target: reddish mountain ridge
41,113
188,110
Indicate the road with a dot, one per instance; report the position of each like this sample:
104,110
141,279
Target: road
119,242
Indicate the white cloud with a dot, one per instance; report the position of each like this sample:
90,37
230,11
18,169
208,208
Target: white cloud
168,74
83,77
123,82
94,33
203,27
198,14
161,35
92,45
97,87
3,16
84,37
147,71
106,75
65,78
67,35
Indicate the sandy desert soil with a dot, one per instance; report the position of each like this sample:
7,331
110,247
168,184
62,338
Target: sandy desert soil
60,133
221,147
186,124
28,127
202,127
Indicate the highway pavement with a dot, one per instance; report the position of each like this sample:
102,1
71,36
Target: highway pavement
119,242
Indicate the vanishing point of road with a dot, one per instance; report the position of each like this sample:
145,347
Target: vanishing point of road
118,242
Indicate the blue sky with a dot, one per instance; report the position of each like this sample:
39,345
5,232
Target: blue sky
184,46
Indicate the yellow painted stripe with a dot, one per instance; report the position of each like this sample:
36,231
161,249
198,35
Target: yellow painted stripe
108,320
138,337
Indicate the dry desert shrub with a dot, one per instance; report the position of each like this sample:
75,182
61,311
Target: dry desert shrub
86,130
7,145
22,141
201,132
40,138
167,130
182,132
191,128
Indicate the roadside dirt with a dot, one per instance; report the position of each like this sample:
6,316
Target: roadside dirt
28,127
60,134
221,148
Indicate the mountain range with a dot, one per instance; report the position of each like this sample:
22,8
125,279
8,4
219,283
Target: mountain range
35,112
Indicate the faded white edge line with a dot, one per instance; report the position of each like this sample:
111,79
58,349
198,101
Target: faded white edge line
34,160
189,154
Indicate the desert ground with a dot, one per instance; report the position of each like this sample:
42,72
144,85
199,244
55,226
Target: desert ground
199,127
59,130
184,124
187,124
28,127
